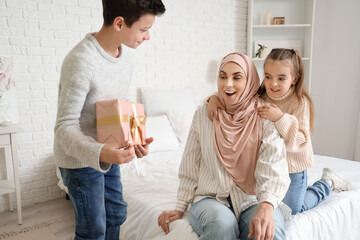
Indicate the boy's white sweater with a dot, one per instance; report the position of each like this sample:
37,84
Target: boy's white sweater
88,75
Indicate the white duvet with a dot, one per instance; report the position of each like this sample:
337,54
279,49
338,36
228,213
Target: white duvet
155,190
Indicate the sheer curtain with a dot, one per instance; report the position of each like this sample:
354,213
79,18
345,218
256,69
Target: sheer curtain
357,143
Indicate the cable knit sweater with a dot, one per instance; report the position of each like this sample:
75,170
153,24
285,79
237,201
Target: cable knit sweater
294,127
88,75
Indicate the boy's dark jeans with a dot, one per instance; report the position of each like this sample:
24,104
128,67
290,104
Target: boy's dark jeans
98,202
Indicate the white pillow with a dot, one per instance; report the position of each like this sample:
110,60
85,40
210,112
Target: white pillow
158,101
180,121
164,137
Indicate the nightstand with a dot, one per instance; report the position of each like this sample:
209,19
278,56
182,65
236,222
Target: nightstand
10,185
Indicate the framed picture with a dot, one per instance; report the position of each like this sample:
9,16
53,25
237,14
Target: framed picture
264,47
279,20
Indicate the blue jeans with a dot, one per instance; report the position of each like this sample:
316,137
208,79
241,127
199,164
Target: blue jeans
212,220
300,198
98,202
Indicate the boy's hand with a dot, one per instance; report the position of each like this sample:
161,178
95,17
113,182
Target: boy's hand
112,153
167,217
271,112
214,104
143,150
262,226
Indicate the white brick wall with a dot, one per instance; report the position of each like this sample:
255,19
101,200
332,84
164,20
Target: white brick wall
186,45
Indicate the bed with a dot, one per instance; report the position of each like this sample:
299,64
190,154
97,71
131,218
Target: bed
154,190
150,185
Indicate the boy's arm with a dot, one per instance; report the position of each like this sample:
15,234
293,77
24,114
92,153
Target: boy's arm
75,83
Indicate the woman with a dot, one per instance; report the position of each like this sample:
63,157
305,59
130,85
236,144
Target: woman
233,171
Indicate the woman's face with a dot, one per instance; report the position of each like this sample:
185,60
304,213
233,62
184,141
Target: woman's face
231,83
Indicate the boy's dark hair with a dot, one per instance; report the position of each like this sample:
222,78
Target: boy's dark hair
130,10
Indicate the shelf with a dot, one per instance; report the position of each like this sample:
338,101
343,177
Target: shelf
283,26
10,129
7,186
299,26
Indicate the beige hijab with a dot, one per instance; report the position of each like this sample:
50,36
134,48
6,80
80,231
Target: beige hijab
238,133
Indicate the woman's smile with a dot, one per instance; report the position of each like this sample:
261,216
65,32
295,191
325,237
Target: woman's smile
230,93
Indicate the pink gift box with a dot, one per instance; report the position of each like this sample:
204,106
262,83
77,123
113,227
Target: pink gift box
118,121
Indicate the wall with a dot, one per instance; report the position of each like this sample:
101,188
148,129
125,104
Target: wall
335,78
185,47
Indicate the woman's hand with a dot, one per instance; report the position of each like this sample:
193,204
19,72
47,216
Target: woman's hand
214,104
262,226
167,217
142,150
117,153
271,112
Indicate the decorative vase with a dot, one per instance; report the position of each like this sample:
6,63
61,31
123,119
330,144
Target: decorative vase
268,17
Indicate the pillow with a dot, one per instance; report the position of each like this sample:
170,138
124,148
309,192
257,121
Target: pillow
180,121
164,138
158,101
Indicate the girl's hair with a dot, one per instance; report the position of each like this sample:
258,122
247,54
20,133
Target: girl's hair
279,54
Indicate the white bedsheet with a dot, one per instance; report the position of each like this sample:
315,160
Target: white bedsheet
148,195
338,216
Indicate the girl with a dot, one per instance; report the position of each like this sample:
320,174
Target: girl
291,109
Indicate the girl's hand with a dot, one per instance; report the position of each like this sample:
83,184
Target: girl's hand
214,104
117,153
271,112
167,217
142,150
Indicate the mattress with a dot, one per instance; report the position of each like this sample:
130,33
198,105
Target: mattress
150,187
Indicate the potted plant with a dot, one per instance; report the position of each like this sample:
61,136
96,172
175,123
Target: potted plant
260,53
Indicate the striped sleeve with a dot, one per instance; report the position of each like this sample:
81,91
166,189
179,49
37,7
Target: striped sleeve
295,129
271,173
189,168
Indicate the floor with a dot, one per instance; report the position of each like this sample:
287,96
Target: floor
57,213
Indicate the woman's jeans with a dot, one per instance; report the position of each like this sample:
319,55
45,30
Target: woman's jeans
300,198
98,202
212,220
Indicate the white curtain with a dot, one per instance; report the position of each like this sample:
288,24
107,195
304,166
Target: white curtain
357,143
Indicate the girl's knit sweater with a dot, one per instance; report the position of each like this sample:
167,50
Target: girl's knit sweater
294,127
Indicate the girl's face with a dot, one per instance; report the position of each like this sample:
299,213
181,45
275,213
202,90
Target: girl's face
278,77
231,83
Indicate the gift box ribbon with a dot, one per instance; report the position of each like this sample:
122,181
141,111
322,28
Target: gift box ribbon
110,120
135,122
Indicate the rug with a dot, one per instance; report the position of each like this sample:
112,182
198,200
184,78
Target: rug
35,232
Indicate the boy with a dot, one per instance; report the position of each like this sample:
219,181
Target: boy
99,68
